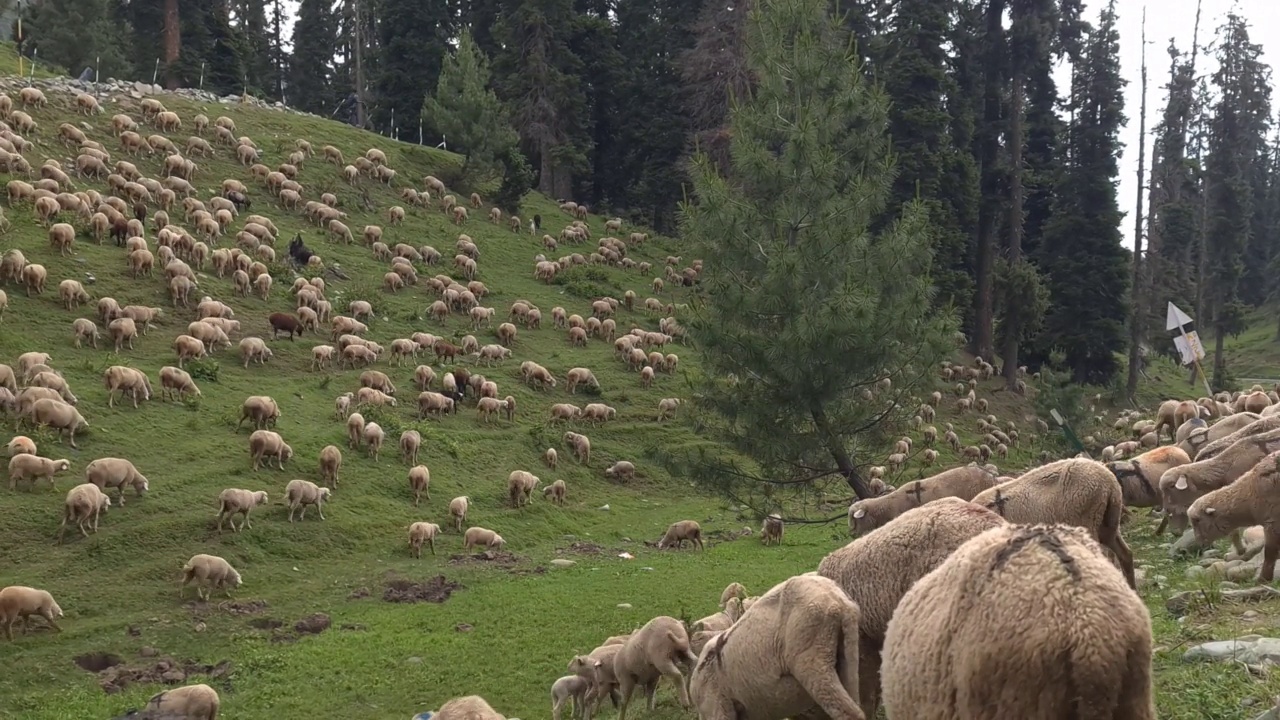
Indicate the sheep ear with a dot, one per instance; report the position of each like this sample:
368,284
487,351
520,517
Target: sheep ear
1182,483
1210,510
859,514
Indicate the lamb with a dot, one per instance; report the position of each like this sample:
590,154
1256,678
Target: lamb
795,651
1251,500
569,688
192,702
1077,491
209,572
262,410
649,655
421,532
84,504
49,412
962,482
771,531
302,493
420,483
19,601
458,511
233,501
107,473
1079,644
34,468
680,531
520,484
1139,478
877,569
481,536
266,443
597,669
1181,486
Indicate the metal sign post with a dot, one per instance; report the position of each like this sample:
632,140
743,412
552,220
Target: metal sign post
1187,343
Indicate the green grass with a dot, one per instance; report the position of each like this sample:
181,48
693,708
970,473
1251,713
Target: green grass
383,660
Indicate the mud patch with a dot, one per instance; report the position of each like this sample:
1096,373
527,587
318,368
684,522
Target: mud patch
584,548
243,607
98,661
358,593
495,557
313,624
118,677
265,623
436,590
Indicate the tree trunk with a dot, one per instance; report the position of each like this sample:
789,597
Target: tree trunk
171,42
839,454
983,343
1219,356
359,52
547,177
1012,329
1137,294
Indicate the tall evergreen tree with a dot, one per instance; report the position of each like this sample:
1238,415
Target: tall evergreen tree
716,75
279,53
249,17
94,40
1236,144
1082,259
311,77
807,307
464,109
413,37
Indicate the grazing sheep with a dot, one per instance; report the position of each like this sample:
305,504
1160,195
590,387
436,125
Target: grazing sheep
771,531
262,410
962,482
209,572
555,492
373,436
84,504
794,651
34,468
302,493
570,688
680,531
878,568
420,483
1077,491
1182,485
581,446
1078,645
481,536
84,329
21,444
458,511
192,702
650,654
471,707
1249,501
330,464
266,444
520,484
551,458
1217,447
107,473
1198,436
421,532
410,441
54,413
1139,478
175,381
19,601
233,501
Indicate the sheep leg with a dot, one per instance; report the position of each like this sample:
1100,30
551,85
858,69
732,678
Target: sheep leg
1238,543
320,509
432,543
651,693
291,511
627,686
868,674
1270,549
8,627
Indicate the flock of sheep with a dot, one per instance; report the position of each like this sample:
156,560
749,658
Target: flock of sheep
914,613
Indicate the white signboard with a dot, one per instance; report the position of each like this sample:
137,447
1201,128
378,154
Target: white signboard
1175,318
1189,347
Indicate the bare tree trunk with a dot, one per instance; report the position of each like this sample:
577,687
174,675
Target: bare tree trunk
172,43
547,178
1137,295
984,298
359,52
839,454
1012,329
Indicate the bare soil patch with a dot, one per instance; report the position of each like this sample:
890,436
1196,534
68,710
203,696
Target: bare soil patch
436,590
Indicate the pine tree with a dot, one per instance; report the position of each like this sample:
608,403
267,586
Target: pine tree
279,54
249,17
806,306
1082,259
1236,141
93,40
716,74
311,76
466,111
413,37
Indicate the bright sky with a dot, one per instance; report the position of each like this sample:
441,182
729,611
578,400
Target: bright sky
1173,19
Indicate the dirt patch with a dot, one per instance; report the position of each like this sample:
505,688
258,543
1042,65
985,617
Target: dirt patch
358,593
243,607
436,590
495,557
265,623
584,548
118,677
313,624
98,661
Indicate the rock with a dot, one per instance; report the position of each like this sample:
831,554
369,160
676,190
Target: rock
135,94
562,563
200,627
463,627
148,652
414,660
1250,652
1249,615
624,606
604,507
174,676
1194,572
1272,714
1184,544
1140,577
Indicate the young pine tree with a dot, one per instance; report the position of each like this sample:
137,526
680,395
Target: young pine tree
806,308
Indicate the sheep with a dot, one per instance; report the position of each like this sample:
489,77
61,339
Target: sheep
650,654
597,669
421,532
962,482
555,492
192,702
680,531
410,442
302,493
569,688
1181,486
1079,643
1139,478
581,446
21,444
1078,491
72,294
84,504
232,501
53,381
254,349
266,443
579,376
475,536
471,707
520,484
1196,438
420,482
19,601
49,412
34,468
107,473
209,572
878,568
795,650
373,437
262,410
771,531
551,458
1246,502
1257,427
622,469
458,511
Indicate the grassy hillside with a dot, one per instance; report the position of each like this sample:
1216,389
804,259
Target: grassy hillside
513,622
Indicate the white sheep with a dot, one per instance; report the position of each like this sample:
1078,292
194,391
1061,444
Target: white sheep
34,468
421,532
84,504
458,511
482,536
19,601
106,473
192,702
299,494
650,654
233,501
209,572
